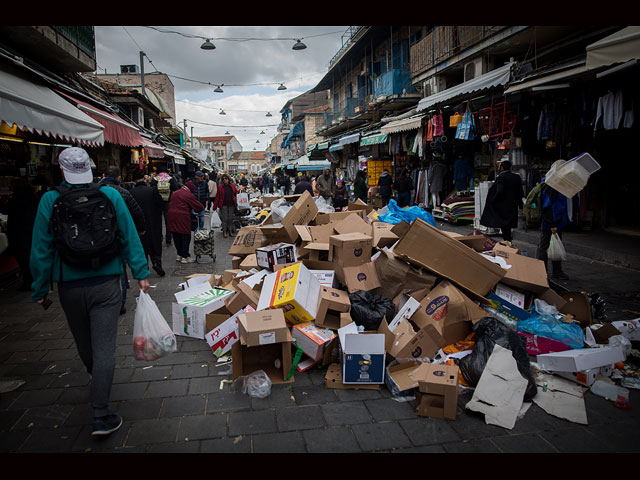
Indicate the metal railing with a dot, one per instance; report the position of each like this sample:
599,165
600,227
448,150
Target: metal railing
346,42
83,36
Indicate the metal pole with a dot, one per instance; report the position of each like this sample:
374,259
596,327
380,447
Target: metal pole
142,71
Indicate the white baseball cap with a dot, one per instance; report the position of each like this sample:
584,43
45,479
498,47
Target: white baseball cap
76,165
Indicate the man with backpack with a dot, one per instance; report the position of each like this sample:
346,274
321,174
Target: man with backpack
83,234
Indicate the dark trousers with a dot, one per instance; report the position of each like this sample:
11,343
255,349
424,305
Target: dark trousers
165,215
182,242
385,200
404,199
506,234
543,246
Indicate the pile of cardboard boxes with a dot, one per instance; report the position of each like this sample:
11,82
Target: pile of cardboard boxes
285,305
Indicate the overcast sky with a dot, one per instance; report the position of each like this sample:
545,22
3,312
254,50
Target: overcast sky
249,71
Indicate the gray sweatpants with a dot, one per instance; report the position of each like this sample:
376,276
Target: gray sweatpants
92,314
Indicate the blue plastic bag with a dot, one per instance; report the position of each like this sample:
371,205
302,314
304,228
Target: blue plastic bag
548,326
396,214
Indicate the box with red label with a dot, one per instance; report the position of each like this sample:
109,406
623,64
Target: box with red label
312,339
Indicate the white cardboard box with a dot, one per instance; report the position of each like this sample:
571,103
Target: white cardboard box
193,304
222,338
362,356
580,360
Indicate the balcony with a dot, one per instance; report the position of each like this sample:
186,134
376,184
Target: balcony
445,41
394,82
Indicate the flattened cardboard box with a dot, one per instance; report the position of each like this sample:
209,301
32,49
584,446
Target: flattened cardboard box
246,241
526,272
426,246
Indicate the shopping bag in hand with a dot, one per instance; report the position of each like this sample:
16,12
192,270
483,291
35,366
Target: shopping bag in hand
152,336
216,222
556,251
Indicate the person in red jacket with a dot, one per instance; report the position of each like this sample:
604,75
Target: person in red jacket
181,203
226,202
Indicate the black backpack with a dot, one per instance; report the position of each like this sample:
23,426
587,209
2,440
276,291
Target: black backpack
84,227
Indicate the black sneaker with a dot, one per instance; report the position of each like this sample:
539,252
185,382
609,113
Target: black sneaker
159,270
107,424
560,276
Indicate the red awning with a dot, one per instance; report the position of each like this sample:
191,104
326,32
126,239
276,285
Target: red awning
153,149
116,130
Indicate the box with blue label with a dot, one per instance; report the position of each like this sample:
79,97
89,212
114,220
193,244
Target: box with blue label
362,356
502,306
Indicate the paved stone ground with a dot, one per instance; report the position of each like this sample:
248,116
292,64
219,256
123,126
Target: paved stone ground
177,404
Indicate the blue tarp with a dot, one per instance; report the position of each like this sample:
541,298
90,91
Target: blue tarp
296,131
409,214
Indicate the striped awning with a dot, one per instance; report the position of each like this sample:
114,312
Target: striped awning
404,125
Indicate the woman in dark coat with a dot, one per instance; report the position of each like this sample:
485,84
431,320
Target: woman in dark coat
340,196
152,205
504,198
180,205
226,201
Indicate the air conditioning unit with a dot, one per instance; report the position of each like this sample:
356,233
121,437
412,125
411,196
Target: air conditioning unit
129,69
433,85
476,67
137,115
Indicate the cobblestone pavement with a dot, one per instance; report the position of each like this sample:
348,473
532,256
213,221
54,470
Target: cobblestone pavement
178,403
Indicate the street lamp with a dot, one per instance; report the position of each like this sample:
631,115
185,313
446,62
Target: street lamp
299,45
207,45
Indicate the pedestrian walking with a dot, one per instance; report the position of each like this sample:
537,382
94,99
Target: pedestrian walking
504,199
385,183
555,218
163,184
360,187
213,191
152,205
403,186
226,201
182,202
113,178
303,185
88,286
325,184
201,193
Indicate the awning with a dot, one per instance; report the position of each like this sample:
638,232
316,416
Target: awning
177,158
153,149
373,139
116,130
496,77
296,131
304,164
406,124
347,139
620,47
547,80
37,108
335,147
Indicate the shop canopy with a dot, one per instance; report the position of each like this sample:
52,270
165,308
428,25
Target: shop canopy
39,109
177,157
373,139
347,139
116,130
296,131
304,164
549,80
153,149
494,78
620,47
404,125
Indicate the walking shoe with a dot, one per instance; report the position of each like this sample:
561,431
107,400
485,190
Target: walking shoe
178,259
107,424
188,260
123,310
159,270
560,276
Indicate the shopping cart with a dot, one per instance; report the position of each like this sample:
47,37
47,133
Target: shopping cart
204,244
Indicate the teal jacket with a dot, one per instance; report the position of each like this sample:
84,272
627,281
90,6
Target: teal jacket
45,261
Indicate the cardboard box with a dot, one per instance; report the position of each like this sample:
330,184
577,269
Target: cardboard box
506,308
350,249
602,334
362,356
294,289
246,241
359,205
580,359
450,311
316,234
327,278
280,253
383,235
426,246
437,391
331,304
235,262
222,337
189,313
396,275
526,273
588,377
303,212
402,379
510,295
312,339
361,277
578,305
353,223
249,262
243,296
263,327
333,379
323,218
246,360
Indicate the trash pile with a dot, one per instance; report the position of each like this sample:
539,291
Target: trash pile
405,306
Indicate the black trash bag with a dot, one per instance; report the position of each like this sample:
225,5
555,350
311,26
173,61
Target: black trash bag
368,309
490,331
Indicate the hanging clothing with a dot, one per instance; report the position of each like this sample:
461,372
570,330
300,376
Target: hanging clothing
438,125
546,122
437,173
610,110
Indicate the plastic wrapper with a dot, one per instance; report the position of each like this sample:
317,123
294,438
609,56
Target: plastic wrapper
621,342
368,309
256,384
548,326
152,336
324,205
396,214
489,332
279,209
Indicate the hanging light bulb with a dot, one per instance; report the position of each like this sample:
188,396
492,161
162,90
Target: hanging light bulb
257,141
299,45
262,132
219,89
222,112
227,132
282,87
207,45
268,114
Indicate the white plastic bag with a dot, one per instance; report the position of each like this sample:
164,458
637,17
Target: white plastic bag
556,250
324,205
256,384
243,201
152,336
216,222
